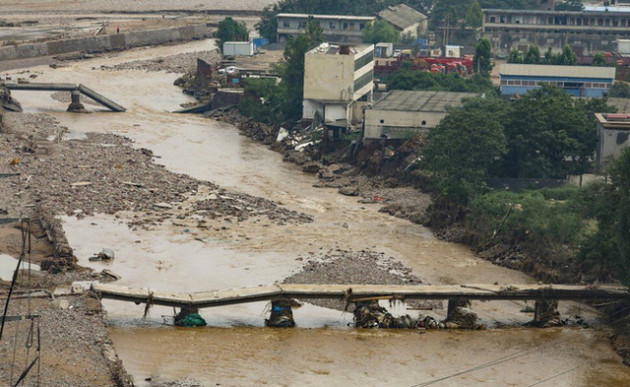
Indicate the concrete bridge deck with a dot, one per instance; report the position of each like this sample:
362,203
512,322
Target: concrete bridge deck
69,87
353,293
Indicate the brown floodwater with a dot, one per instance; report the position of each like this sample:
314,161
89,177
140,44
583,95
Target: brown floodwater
237,349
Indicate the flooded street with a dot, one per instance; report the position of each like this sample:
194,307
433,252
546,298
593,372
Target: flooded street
236,349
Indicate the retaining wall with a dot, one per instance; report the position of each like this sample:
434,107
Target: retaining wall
106,42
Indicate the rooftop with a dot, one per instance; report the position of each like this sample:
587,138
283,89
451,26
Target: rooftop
402,16
334,49
614,120
557,71
421,101
336,17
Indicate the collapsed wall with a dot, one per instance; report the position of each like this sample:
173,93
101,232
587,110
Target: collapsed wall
106,42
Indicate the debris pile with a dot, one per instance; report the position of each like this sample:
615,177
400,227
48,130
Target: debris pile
243,207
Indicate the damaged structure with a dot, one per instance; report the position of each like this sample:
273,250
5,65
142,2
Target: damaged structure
338,83
613,134
403,113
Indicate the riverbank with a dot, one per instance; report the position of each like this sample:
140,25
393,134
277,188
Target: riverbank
179,255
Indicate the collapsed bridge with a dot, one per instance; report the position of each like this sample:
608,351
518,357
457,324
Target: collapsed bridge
543,295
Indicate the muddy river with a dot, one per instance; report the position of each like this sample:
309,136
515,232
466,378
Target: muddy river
236,349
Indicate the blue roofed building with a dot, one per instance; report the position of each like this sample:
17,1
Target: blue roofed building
579,81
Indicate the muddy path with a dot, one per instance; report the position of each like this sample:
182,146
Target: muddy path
180,255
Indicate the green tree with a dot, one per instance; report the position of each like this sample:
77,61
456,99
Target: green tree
548,135
515,56
533,55
461,150
405,79
268,24
380,31
570,5
619,90
474,15
567,57
231,31
292,68
599,60
483,57
611,243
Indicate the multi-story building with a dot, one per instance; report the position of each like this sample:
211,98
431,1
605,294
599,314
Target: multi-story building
338,82
579,81
587,32
336,28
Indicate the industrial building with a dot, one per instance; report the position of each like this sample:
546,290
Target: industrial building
579,81
402,113
338,82
408,21
336,28
613,132
590,31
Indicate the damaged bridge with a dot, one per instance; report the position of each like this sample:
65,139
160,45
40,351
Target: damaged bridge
75,91
543,295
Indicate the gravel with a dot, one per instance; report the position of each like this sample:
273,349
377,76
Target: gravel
180,63
352,267
103,173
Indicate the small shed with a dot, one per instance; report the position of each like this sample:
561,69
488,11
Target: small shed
403,113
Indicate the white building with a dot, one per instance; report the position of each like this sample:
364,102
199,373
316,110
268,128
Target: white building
335,28
338,82
402,113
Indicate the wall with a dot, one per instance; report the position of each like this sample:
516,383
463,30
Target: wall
328,77
106,42
399,124
611,143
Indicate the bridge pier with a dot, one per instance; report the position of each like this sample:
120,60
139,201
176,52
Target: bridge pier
188,316
281,314
546,313
453,304
75,105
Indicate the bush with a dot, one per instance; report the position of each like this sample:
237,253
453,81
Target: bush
532,216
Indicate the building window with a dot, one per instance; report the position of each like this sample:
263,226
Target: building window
363,80
331,26
286,24
361,26
364,61
492,19
302,25
424,122
345,26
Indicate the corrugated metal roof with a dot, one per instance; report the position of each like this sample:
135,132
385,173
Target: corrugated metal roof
421,101
533,70
402,16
